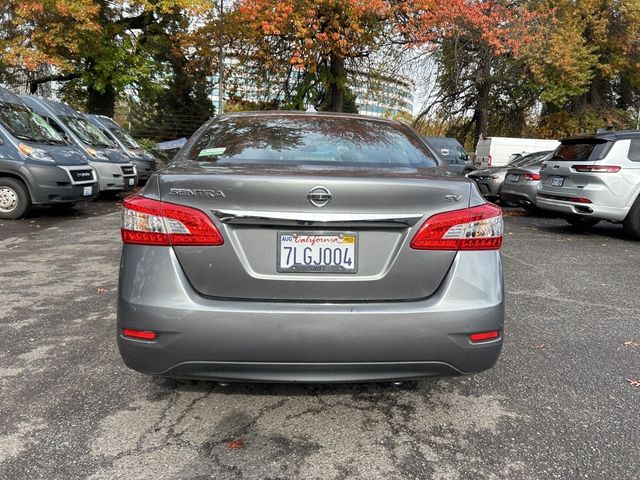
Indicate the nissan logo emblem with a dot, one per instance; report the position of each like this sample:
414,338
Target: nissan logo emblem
319,196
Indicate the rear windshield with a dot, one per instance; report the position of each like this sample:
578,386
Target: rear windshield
25,124
310,140
581,150
531,159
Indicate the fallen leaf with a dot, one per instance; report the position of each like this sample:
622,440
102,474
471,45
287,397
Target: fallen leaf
631,344
101,290
538,346
635,381
236,444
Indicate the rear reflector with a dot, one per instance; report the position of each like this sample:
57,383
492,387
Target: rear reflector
532,177
484,336
565,199
475,228
596,168
139,334
151,222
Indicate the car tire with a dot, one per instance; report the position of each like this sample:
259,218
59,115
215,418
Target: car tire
581,222
15,201
631,223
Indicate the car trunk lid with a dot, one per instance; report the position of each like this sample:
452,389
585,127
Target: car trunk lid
254,205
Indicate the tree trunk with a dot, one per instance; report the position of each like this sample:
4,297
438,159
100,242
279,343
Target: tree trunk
483,89
101,103
338,78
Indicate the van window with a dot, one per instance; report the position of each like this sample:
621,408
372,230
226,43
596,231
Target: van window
634,150
25,124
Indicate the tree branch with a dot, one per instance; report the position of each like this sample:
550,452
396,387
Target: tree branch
33,84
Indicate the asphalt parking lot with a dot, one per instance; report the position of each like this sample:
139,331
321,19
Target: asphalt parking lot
562,402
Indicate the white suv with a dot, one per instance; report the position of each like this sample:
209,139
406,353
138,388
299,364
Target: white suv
593,178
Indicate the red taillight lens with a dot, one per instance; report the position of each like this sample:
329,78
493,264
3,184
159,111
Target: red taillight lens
476,228
139,334
151,222
532,177
485,336
489,160
596,168
579,200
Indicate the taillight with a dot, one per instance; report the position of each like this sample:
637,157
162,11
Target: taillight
543,166
139,334
485,336
596,168
532,177
151,222
475,228
489,160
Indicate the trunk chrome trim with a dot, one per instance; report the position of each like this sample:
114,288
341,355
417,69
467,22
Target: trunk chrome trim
255,217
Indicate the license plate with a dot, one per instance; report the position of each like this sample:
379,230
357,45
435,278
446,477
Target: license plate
514,177
317,252
131,180
87,192
557,181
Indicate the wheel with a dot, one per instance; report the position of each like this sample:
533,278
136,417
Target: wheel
581,222
631,222
15,201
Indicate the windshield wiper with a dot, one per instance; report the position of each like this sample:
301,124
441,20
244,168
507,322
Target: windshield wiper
25,137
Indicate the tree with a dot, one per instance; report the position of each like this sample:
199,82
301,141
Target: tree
105,45
315,37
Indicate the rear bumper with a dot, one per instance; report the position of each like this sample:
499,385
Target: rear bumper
615,214
526,195
489,188
253,341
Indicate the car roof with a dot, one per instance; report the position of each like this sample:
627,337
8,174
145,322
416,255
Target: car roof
8,96
300,113
58,108
607,136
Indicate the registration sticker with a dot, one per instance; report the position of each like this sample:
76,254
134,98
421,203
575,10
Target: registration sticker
88,191
212,152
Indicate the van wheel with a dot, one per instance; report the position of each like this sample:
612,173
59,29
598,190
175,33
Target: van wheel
15,201
631,222
581,222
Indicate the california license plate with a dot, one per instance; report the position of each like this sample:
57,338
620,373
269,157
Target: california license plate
557,181
317,252
87,192
514,177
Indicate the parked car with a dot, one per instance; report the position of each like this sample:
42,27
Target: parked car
500,151
593,178
520,186
455,155
490,180
307,247
37,166
144,161
115,171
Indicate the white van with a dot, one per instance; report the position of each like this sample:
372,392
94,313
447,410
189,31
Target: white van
499,151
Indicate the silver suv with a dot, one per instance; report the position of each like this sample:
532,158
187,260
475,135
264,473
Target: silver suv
593,178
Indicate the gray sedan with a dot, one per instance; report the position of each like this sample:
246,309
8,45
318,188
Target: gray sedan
490,180
293,247
521,184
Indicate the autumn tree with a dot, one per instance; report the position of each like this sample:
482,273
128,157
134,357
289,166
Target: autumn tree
315,37
104,45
